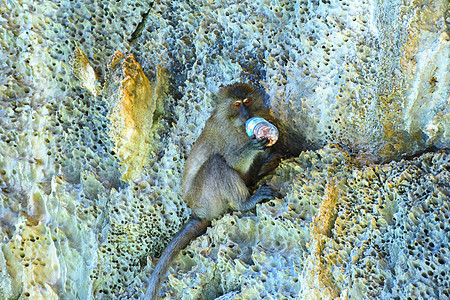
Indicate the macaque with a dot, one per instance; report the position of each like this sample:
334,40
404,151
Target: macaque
223,163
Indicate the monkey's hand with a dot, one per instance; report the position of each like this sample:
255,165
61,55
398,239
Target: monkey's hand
259,143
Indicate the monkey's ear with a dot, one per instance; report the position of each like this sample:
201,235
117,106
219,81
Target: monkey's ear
216,98
215,93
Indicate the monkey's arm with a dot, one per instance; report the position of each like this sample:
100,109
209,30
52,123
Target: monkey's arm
242,159
192,229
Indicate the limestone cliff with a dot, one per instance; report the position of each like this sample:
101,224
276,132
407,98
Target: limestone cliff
101,101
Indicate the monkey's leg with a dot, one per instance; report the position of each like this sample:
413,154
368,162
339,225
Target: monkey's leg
263,193
214,186
270,163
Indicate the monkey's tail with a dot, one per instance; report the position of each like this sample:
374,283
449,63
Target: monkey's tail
195,227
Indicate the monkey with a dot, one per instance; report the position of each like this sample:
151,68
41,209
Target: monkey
224,161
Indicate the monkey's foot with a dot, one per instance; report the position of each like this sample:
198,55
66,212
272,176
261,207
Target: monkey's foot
265,193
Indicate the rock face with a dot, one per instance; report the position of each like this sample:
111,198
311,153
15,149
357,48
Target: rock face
100,103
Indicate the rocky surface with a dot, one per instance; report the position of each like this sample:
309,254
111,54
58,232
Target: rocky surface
100,103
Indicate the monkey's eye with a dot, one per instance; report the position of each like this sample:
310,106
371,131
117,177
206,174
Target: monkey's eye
247,101
237,103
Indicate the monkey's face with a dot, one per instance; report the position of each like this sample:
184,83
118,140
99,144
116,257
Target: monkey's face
239,102
242,108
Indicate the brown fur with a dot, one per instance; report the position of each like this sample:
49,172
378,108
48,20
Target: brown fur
219,169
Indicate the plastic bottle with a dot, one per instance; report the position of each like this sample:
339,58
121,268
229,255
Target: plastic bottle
259,127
